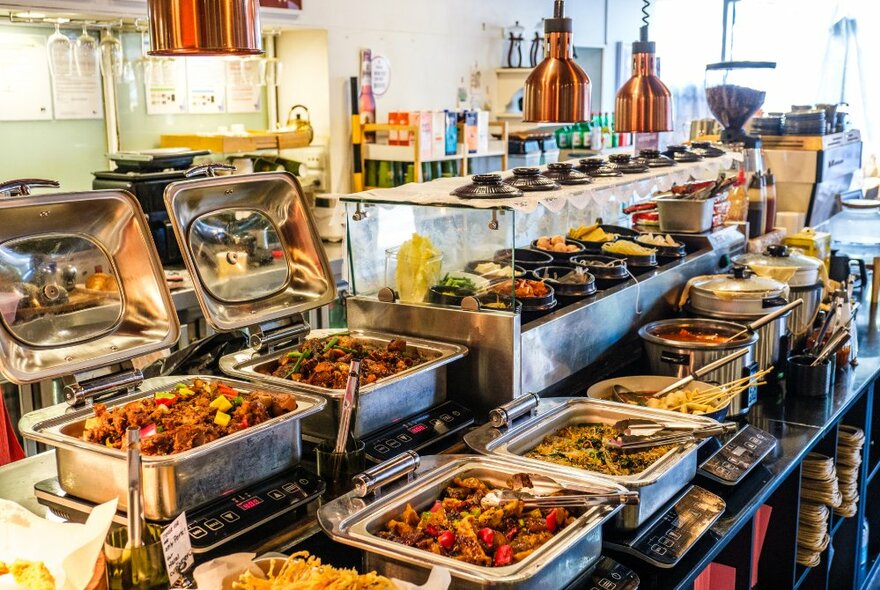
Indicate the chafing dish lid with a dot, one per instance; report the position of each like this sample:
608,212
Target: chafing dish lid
740,286
81,286
252,247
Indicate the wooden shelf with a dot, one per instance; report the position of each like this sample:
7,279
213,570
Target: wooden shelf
230,144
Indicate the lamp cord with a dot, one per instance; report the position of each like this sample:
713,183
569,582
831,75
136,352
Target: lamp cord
645,16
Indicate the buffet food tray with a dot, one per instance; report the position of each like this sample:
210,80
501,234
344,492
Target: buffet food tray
386,401
354,521
656,484
180,481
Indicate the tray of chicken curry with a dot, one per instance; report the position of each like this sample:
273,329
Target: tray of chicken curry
469,514
199,437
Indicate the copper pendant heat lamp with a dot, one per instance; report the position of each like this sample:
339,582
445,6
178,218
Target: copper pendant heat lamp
558,89
182,28
644,103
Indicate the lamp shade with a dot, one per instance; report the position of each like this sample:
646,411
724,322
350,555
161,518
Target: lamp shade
644,103
558,89
204,27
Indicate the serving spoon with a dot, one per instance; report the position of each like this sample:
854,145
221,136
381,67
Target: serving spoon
763,321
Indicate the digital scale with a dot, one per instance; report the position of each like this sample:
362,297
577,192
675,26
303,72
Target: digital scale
732,462
607,574
217,522
418,432
671,534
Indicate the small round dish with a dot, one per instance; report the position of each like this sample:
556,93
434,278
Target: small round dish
654,159
666,253
532,307
620,158
611,171
498,302
606,270
565,174
626,232
448,295
570,290
589,164
635,261
525,258
487,186
633,167
562,256
706,149
530,180
486,272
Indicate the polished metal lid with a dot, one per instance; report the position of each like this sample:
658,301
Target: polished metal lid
251,245
779,257
81,286
740,284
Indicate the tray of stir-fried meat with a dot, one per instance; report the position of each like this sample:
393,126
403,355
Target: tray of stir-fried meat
443,516
400,376
570,435
200,438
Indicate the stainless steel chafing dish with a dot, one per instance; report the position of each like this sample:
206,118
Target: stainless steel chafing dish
355,518
506,438
177,482
224,223
82,297
384,402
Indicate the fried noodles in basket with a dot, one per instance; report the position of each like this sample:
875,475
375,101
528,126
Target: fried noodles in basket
302,571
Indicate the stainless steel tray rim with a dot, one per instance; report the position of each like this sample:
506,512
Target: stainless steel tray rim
31,424
492,441
352,528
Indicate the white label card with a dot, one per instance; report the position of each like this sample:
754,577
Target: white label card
177,550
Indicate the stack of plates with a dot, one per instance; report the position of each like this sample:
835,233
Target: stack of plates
819,492
850,441
805,123
769,125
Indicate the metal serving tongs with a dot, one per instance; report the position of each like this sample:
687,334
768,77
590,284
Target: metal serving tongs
640,433
536,491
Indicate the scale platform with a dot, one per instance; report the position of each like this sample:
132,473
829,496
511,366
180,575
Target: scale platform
418,432
732,462
218,522
672,532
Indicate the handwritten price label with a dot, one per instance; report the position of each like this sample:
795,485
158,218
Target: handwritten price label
178,551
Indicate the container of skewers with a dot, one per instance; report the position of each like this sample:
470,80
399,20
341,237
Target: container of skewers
690,207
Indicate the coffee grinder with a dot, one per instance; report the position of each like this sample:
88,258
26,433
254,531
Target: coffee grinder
735,92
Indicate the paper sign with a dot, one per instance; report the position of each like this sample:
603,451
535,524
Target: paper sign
25,91
381,75
78,97
177,550
165,86
206,85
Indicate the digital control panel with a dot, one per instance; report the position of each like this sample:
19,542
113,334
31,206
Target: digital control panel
666,539
418,432
610,575
238,513
734,460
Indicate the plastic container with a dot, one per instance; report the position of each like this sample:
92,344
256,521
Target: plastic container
802,380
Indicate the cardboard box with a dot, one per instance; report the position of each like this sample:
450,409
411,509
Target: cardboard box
394,136
426,134
471,133
451,129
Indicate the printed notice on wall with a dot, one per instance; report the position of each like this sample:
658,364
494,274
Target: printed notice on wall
243,91
25,90
165,81
78,96
206,85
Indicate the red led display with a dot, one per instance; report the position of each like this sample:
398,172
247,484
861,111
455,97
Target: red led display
248,504
417,428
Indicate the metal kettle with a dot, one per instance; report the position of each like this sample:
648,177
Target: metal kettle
297,123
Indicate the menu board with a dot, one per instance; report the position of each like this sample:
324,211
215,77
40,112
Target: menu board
25,89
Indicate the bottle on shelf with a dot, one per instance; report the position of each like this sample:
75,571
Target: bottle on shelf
770,184
757,195
563,138
606,132
596,133
366,100
577,137
587,132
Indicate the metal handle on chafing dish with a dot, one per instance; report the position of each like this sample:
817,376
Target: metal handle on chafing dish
23,186
209,170
375,477
258,340
504,415
76,393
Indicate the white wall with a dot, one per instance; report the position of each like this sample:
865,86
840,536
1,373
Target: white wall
431,46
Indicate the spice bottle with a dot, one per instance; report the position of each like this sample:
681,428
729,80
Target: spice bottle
757,195
739,204
770,185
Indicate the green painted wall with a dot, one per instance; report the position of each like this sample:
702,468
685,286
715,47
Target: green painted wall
69,151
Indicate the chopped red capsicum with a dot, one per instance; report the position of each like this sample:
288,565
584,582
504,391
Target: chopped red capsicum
165,399
551,521
486,535
148,430
446,539
503,556
432,530
437,506
226,390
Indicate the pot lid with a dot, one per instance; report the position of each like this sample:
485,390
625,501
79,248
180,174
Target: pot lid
81,286
487,186
740,284
861,204
779,257
251,245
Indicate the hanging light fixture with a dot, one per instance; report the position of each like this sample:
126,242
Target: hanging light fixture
644,103
558,89
180,28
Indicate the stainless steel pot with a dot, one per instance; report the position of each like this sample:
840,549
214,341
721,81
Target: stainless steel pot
657,484
801,320
355,520
783,264
740,294
676,358
172,483
386,401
